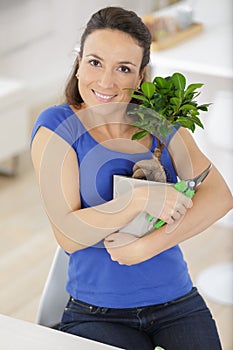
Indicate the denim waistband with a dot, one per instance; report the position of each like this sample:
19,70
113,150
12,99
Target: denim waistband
190,294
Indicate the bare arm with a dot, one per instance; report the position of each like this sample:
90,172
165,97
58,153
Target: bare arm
57,170
211,202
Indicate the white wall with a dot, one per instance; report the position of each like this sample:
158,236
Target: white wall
37,39
38,36
207,58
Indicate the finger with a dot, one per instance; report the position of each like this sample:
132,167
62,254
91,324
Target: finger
183,200
187,202
176,215
181,209
172,227
118,239
170,220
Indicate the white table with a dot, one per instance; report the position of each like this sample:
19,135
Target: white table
21,335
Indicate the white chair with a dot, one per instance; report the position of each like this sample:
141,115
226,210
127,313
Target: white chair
54,296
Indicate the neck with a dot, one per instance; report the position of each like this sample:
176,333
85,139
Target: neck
109,115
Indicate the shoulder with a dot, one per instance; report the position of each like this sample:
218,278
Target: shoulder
183,137
59,119
189,160
53,116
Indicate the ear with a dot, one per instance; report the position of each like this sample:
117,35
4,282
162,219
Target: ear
142,76
79,57
78,60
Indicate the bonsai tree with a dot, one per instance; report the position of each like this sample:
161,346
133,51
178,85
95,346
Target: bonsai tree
165,104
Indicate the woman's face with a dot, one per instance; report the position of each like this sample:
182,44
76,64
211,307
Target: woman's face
111,62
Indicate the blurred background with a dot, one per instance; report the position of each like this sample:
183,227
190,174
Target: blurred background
38,45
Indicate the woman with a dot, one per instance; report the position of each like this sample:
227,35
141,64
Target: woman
128,292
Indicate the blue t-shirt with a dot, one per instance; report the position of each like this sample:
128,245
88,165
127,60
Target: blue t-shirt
92,276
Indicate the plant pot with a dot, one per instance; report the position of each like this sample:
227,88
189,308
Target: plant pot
143,223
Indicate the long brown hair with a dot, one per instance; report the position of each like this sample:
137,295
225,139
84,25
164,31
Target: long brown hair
115,18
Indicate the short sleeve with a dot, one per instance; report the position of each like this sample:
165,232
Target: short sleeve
61,120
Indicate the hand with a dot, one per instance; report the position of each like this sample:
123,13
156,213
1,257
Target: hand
123,248
149,169
175,206
164,202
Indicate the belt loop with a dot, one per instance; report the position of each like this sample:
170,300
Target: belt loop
104,310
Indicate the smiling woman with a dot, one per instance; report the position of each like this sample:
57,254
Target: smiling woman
118,28
103,74
134,293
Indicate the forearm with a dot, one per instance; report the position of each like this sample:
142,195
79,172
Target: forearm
210,203
90,225
80,228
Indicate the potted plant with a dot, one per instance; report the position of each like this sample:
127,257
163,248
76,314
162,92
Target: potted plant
165,104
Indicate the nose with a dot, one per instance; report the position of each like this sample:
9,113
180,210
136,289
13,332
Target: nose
106,79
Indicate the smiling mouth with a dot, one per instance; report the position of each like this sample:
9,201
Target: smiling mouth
103,97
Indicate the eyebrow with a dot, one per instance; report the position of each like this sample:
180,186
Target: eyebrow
101,59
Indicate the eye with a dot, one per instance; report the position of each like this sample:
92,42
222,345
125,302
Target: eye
124,69
94,63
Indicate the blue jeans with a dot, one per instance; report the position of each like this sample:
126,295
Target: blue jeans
185,323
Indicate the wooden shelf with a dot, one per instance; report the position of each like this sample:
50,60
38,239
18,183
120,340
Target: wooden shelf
178,37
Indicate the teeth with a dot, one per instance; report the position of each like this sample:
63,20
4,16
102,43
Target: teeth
105,97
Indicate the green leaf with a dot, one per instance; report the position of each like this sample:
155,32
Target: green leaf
193,127
185,122
192,87
139,135
197,121
139,97
165,102
164,130
204,107
175,101
195,94
161,82
179,81
148,89
187,107
179,93
163,91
